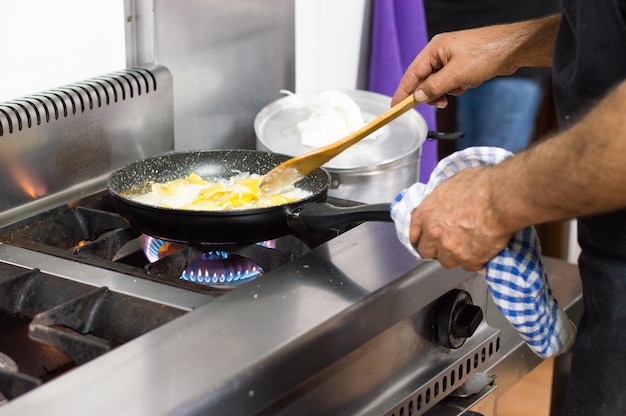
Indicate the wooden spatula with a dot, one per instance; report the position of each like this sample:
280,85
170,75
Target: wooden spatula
298,167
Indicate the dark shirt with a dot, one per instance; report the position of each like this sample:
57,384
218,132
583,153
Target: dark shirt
451,15
589,60
590,57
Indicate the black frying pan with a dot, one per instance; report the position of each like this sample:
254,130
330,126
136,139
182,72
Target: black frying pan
232,226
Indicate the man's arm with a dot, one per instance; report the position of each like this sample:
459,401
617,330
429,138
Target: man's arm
455,61
579,172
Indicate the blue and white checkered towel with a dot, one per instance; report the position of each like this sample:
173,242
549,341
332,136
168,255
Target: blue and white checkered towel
516,276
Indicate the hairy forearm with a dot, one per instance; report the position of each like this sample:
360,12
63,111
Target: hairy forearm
578,172
453,62
532,41
529,43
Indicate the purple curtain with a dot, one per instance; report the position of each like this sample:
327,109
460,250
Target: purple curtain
398,34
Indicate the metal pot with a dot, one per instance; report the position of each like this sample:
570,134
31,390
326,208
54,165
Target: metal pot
371,171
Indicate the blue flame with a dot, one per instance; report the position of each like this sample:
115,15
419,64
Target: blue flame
217,268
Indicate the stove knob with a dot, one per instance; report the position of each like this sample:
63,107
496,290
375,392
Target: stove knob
458,318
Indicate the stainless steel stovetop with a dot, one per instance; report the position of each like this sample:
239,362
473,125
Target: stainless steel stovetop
275,344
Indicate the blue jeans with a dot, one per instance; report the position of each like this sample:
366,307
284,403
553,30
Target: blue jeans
500,112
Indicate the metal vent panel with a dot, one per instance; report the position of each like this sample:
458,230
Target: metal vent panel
57,140
33,110
429,394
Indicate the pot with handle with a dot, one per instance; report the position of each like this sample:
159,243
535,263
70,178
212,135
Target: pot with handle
372,171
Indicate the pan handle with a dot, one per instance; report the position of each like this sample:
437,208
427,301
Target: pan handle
321,216
436,135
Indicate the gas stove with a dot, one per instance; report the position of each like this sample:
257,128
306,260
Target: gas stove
90,304
321,317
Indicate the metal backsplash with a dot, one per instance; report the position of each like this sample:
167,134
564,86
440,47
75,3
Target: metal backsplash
228,60
64,142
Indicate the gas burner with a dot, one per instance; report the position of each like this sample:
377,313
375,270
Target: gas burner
8,366
216,267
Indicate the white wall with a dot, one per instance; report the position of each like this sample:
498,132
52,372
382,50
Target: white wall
47,44
331,37
50,43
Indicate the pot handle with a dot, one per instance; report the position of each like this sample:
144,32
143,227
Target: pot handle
321,216
436,135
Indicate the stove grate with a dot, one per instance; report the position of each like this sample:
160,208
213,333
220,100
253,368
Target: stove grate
91,232
47,323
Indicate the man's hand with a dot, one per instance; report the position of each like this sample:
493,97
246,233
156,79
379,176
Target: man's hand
459,223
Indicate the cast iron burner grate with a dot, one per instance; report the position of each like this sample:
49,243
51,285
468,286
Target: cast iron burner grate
91,232
49,325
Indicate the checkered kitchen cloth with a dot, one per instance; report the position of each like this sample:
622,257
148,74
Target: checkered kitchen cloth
516,276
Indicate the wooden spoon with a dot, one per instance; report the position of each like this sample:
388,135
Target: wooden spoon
296,168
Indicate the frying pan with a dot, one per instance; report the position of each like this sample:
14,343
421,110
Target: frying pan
228,226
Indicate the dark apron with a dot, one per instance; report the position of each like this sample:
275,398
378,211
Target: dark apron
599,355
589,60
